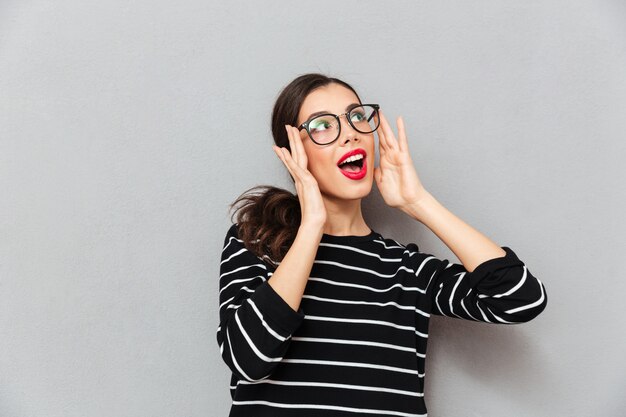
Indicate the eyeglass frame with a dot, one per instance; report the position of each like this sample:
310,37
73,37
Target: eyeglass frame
305,125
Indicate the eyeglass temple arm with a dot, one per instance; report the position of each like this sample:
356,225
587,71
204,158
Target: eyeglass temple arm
376,107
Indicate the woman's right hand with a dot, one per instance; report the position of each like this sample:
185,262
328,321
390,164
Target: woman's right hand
311,203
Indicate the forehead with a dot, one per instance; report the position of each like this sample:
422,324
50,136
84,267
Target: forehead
332,98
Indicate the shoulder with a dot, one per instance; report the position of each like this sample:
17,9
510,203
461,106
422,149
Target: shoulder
233,231
233,243
394,248
387,243
232,234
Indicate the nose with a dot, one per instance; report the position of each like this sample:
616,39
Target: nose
347,131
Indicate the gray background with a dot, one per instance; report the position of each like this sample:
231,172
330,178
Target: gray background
127,129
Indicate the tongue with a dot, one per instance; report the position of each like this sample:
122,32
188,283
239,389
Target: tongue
350,167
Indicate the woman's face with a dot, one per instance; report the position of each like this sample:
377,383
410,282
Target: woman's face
323,159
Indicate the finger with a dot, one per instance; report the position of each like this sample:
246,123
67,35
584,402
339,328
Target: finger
281,154
292,146
292,165
302,157
381,135
387,133
402,140
390,140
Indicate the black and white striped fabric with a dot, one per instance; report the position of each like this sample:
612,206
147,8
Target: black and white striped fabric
357,344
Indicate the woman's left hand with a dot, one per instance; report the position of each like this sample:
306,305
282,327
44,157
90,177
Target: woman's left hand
395,176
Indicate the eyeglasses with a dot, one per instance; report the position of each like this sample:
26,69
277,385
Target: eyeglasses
326,128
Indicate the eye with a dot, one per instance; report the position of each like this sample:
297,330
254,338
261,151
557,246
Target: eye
321,123
357,115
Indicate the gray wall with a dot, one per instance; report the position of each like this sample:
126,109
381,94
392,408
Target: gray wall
126,128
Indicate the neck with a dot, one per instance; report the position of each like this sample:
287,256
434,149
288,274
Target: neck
344,217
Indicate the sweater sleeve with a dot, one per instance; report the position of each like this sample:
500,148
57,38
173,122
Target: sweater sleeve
256,324
499,290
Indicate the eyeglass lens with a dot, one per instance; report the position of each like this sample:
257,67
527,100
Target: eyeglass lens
325,128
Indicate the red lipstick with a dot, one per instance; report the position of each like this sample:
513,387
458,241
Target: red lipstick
354,175
358,151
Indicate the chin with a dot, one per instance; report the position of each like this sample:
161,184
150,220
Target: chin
355,192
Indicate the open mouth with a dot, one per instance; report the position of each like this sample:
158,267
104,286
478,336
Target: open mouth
353,164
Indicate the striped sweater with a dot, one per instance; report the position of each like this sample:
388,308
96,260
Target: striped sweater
357,344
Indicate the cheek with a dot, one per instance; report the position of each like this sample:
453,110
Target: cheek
317,159
320,164
320,168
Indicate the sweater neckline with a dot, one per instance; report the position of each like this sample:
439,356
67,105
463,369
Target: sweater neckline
349,238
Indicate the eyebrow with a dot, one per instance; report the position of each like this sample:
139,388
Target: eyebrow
318,113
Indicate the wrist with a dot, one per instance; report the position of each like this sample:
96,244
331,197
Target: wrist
420,208
311,229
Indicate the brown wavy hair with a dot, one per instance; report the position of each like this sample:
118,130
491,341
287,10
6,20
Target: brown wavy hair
268,217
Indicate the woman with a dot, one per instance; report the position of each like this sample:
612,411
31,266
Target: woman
319,314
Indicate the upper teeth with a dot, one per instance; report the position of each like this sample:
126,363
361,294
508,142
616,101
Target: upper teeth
353,158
